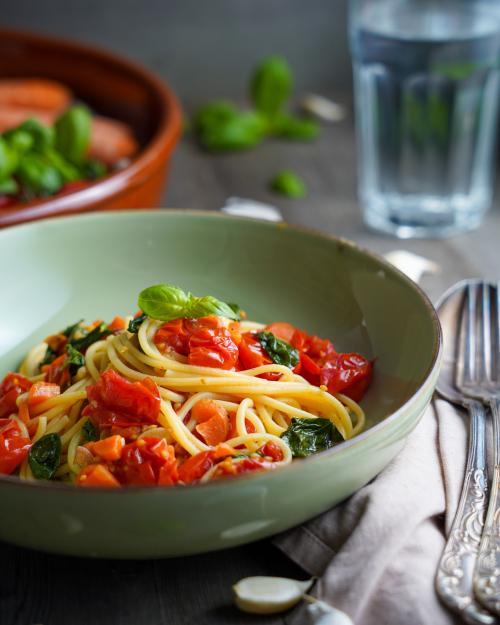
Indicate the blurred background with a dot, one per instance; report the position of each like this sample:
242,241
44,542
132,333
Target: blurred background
204,49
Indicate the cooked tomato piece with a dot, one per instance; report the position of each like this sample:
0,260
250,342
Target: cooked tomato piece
233,432
11,387
147,461
273,450
13,446
235,331
97,475
174,335
114,401
118,323
345,370
54,374
245,465
129,433
282,330
195,467
253,355
110,448
212,347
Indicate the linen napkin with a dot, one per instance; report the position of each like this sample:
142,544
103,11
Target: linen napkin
377,553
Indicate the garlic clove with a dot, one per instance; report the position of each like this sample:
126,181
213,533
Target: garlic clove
412,265
267,595
323,108
321,613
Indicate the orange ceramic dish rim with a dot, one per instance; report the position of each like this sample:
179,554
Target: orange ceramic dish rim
156,150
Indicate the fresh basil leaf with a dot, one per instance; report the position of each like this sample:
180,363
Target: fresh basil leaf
279,351
68,171
48,358
291,127
88,432
73,132
135,324
164,302
93,170
98,333
289,183
44,457
272,84
70,331
213,114
208,305
38,176
308,436
74,360
43,136
8,159
243,130
20,140
240,314
9,186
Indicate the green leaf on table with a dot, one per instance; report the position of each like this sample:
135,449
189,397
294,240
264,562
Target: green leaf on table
241,131
135,324
291,127
44,457
308,436
73,133
166,302
289,183
88,432
272,84
213,114
278,350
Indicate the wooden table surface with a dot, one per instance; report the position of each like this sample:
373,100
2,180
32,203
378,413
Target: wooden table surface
59,590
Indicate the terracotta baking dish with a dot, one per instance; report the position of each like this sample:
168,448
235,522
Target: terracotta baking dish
113,87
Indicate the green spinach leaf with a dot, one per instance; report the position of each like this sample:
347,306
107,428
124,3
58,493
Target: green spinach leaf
166,302
308,436
45,456
74,360
88,432
99,332
70,331
280,352
289,183
48,358
135,324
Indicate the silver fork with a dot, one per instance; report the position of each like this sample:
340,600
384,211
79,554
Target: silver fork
454,579
480,378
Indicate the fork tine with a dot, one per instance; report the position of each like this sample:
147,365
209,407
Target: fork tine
486,360
466,357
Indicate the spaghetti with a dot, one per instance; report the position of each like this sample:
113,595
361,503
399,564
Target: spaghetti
132,408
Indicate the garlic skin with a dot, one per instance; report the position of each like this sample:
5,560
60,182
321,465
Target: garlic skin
268,595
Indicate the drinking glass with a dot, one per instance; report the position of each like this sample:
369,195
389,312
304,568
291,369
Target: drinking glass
426,85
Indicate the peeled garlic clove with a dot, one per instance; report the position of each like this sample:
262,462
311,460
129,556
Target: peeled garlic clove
321,613
412,265
322,108
266,595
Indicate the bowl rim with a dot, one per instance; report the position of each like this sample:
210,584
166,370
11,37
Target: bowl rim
421,390
161,144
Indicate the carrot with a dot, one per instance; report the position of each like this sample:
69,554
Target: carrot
111,141
214,431
97,475
129,434
36,93
224,450
90,447
206,409
13,116
24,413
118,323
56,341
110,448
41,391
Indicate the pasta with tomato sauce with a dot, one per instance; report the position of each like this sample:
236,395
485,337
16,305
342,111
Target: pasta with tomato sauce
161,399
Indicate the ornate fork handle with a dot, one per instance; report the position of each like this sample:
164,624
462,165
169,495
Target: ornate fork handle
454,580
487,574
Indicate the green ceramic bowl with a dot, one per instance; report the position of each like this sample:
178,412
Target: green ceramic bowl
94,266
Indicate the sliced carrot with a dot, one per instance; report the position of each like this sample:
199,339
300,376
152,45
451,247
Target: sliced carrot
90,447
37,93
224,450
56,341
94,324
206,409
111,141
110,448
97,475
24,413
41,391
214,431
118,323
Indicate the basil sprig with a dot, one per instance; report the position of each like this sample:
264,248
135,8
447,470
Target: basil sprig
166,302
44,457
88,432
289,183
240,314
279,351
308,436
135,324
99,332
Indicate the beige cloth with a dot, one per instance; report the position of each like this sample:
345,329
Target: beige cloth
377,553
